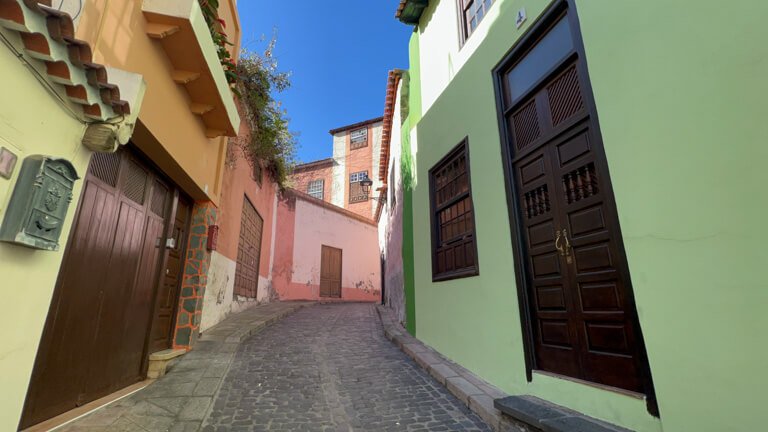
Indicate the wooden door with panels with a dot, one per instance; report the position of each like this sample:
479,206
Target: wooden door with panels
330,272
97,336
582,321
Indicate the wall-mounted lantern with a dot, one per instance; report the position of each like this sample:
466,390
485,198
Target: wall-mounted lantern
366,184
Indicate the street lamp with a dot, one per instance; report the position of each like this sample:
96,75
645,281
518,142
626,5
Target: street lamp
366,184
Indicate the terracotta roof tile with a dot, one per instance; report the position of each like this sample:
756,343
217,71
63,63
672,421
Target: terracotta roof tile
60,29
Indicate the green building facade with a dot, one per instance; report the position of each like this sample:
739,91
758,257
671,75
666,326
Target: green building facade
668,104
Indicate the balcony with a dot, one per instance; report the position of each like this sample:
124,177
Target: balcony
180,28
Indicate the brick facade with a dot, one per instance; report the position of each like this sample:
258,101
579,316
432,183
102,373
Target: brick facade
195,276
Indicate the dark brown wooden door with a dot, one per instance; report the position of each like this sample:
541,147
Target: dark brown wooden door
330,272
170,282
249,251
95,337
583,321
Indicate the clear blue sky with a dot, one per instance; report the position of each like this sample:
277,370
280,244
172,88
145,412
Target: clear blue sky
339,54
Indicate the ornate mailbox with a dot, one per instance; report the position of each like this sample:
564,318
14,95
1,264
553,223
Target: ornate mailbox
40,202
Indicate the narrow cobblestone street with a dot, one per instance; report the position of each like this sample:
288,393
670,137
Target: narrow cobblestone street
330,368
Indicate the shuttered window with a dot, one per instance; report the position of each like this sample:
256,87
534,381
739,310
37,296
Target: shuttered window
358,138
356,193
248,252
454,252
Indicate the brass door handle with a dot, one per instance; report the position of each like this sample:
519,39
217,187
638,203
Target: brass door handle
567,242
559,248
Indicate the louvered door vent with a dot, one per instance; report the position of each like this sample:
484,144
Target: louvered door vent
525,123
105,167
135,182
565,96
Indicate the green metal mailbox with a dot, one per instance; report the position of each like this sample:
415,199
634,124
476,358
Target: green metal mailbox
39,203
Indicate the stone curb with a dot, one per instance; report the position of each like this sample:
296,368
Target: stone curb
478,395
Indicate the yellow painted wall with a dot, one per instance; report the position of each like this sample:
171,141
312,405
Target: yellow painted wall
31,122
170,134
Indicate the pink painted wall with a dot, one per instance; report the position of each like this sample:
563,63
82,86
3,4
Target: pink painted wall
304,225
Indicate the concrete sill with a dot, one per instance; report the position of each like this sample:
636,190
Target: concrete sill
180,28
550,417
159,362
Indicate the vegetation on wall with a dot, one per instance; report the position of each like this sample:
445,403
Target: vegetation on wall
255,79
217,25
270,141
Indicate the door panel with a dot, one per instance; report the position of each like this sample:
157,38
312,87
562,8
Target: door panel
170,282
330,272
95,337
582,318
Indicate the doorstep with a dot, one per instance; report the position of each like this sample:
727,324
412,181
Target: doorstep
182,398
502,412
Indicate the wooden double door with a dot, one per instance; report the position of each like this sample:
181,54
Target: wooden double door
115,298
580,314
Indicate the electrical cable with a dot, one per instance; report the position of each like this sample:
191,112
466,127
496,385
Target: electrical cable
49,87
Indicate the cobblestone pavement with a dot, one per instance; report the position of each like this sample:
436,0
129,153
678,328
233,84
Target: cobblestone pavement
330,368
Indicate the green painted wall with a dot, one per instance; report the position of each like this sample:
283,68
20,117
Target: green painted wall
407,167
678,100
681,93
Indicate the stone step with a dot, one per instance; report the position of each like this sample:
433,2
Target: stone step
549,417
160,361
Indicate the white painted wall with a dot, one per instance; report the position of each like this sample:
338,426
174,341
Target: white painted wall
339,169
376,163
440,56
220,300
391,222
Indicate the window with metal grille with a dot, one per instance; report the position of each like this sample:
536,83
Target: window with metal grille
454,251
315,188
356,193
358,138
472,12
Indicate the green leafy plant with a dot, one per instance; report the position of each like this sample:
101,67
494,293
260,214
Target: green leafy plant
271,142
217,25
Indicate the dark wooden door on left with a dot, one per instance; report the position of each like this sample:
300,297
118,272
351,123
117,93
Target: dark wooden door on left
330,272
96,336
170,283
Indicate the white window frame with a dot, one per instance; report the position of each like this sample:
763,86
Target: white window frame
313,191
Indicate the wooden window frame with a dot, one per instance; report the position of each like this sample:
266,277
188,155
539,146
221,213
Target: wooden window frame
322,188
361,198
470,271
559,9
360,144
461,8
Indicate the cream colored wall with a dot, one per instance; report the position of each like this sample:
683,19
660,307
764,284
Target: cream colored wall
441,57
31,122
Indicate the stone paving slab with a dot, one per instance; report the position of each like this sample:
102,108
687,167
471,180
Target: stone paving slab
180,400
330,368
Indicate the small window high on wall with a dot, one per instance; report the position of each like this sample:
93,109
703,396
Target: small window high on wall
471,12
358,138
315,189
454,248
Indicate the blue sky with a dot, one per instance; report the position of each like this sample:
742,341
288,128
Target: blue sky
339,54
